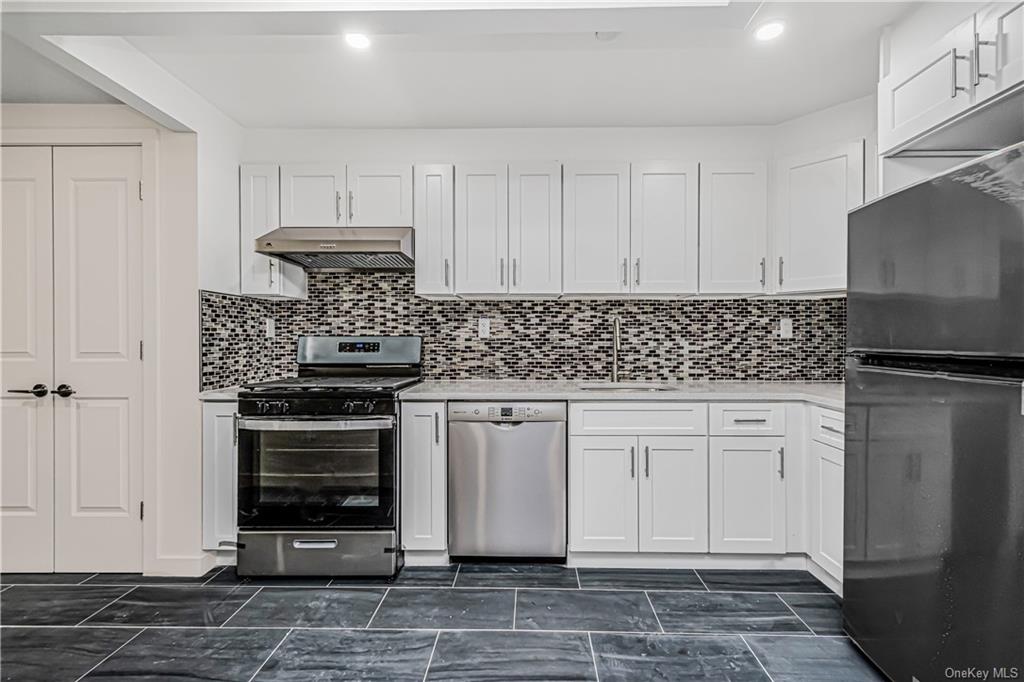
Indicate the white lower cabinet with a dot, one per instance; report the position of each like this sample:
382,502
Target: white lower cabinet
220,475
424,485
629,494
826,507
747,494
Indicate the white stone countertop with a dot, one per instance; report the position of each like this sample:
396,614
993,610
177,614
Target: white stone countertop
220,395
825,394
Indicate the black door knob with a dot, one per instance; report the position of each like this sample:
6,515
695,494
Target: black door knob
64,391
39,390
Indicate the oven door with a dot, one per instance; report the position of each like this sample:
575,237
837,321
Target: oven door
316,473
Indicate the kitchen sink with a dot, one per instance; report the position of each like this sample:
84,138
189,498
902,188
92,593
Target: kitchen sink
626,386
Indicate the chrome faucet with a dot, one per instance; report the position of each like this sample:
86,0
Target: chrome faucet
616,342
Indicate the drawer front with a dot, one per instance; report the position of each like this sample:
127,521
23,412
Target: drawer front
638,419
827,427
755,419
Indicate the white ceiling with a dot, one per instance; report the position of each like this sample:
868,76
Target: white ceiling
529,68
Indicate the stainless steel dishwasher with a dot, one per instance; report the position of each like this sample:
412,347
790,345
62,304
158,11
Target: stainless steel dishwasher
506,479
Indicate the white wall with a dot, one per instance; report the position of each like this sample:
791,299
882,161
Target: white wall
172,466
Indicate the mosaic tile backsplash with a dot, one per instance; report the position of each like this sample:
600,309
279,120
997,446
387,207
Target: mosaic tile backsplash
687,339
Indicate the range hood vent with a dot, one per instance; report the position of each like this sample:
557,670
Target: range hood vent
353,248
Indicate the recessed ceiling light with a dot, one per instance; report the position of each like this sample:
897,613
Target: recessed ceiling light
769,30
360,41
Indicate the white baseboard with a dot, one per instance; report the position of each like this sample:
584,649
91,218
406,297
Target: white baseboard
426,558
189,567
831,582
665,560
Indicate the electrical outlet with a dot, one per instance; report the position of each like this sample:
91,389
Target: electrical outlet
483,328
269,325
785,328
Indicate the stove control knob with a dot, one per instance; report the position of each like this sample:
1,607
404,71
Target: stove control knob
284,407
348,407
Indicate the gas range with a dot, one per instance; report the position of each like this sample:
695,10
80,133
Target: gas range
318,460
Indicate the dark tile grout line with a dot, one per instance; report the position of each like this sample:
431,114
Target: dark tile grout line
110,603
105,658
89,578
270,655
593,657
515,607
458,569
251,597
431,659
655,611
790,607
751,650
379,604
207,581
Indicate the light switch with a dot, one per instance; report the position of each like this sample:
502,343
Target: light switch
785,328
269,323
484,328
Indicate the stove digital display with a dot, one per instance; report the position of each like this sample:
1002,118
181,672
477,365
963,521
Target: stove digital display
359,347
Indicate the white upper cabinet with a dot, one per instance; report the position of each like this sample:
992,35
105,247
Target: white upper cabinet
481,228
663,228
260,213
748,494
935,87
535,228
379,195
733,228
313,195
813,195
596,228
434,229
999,61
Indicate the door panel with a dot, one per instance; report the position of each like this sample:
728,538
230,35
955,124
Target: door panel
603,494
748,495
311,195
733,228
26,359
435,229
97,331
826,522
481,228
595,235
674,494
260,214
535,228
424,477
663,228
380,195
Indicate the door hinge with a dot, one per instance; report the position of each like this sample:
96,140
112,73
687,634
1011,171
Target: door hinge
140,190
142,510
141,352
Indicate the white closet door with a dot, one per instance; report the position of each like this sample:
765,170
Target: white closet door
26,359
379,195
434,228
313,195
535,227
595,232
97,260
733,228
481,228
663,228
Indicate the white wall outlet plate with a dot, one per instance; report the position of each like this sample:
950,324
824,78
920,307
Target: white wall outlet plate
483,328
270,327
785,328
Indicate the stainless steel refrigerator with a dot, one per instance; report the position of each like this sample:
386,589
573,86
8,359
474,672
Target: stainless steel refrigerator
934,498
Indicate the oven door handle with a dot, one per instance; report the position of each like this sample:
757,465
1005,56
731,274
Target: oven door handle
375,424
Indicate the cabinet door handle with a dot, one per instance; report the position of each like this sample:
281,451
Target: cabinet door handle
826,427
446,272
953,61
781,263
351,204
760,420
234,427
978,43
337,207
647,461
632,462
501,272
271,271
437,428
762,272
638,272
514,271
782,463
39,390
625,272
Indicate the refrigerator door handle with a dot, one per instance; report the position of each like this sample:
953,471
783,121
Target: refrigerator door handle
923,374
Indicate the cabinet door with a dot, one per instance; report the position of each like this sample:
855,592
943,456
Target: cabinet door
733,228
535,227
595,239
259,187
424,478
379,195
663,227
481,228
220,475
26,359
815,192
312,195
928,91
434,231
747,494
826,517
999,56
603,494
673,494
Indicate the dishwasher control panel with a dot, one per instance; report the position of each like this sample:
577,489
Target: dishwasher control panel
507,412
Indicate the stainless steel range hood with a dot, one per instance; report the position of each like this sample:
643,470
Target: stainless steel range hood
341,248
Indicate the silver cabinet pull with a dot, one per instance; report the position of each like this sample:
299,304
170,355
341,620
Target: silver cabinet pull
514,260
762,272
632,462
271,271
978,43
337,207
782,463
234,428
625,272
760,420
351,204
437,428
314,544
638,272
953,61
781,262
501,272
826,427
446,272
647,461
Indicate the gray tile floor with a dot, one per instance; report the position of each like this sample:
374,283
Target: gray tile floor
461,622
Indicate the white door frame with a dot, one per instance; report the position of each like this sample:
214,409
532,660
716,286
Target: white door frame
146,139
